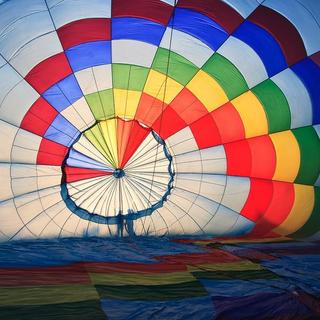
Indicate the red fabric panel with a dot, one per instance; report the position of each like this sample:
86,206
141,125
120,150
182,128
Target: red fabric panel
85,30
213,256
136,137
238,158
39,117
229,123
149,109
44,276
259,199
278,210
316,58
282,30
48,72
217,10
188,106
51,153
205,132
263,157
77,174
123,135
168,123
154,10
118,267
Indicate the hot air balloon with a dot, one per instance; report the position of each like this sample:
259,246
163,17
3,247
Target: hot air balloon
159,117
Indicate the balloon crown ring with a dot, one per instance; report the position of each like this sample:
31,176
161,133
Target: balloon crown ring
118,173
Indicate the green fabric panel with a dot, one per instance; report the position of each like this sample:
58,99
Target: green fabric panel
37,295
236,275
244,265
226,74
141,279
162,292
95,136
101,104
313,224
129,77
275,105
82,310
309,144
180,69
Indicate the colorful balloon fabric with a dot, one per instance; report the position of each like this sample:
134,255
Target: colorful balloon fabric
159,117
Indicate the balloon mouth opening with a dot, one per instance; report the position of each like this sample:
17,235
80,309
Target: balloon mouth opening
118,173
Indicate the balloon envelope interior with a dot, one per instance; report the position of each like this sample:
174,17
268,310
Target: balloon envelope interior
159,117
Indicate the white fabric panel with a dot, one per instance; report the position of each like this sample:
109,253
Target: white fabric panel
20,25
2,62
29,178
67,11
95,79
10,222
241,227
5,185
222,222
236,193
188,162
171,2
35,52
17,102
25,148
213,160
244,7
245,59
83,109
189,224
133,52
209,186
9,78
303,15
182,142
297,96
187,46
7,136
73,117
166,220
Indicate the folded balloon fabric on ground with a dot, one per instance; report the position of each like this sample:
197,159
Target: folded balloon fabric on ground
159,159
152,278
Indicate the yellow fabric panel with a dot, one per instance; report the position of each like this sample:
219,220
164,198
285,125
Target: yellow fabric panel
95,136
109,131
126,103
252,114
287,156
300,212
207,90
162,87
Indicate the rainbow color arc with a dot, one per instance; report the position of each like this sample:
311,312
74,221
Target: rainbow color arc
224,92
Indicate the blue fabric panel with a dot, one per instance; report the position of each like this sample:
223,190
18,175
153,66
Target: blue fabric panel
199,26
62,131
263,306
239,288
264,45
64,93
309,74
77,159
89,54
192,308
137,29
